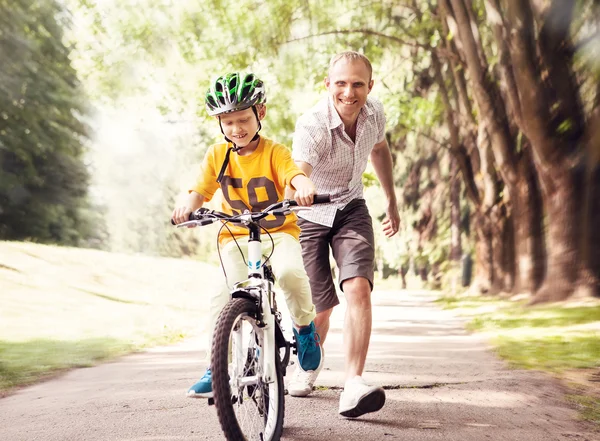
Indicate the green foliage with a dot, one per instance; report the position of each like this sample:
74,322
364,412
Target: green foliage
164,55
44,180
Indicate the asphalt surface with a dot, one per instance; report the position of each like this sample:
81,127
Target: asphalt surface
442,383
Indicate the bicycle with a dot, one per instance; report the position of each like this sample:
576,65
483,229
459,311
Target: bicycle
250,353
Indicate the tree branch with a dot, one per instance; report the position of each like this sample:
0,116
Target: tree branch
359,31
557,55
489,100
534,100
495,18
393,38
443,145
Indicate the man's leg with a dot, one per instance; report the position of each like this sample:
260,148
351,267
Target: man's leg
357,324
322,323
354,251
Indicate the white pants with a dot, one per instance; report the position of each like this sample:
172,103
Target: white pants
288,268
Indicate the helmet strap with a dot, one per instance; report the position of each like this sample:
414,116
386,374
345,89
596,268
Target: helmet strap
235,148
225,162
258,121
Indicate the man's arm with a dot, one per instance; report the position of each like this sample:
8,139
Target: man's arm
381,158
305,190
307,169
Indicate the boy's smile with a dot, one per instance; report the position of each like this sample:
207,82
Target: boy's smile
241,126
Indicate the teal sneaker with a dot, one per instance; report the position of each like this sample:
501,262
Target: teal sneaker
203,387
309,348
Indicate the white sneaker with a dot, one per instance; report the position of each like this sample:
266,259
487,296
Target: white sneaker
359,398
302,382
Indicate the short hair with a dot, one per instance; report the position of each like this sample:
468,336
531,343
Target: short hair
351,56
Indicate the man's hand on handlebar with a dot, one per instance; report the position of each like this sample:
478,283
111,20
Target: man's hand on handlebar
305,190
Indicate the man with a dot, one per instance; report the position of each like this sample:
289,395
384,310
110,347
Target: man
332,144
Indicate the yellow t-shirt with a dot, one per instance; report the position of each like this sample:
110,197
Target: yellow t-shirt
251,182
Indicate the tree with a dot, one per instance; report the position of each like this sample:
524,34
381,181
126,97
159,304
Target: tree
44,180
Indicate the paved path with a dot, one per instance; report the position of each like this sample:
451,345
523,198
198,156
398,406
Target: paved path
442,384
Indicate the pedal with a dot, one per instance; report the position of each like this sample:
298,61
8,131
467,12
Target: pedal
211,401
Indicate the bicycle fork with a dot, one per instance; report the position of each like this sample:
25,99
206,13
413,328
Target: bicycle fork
256,271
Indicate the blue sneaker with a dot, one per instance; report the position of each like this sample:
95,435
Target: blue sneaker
309,348
203,387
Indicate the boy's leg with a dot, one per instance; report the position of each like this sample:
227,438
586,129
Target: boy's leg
236,271
291,276
289,270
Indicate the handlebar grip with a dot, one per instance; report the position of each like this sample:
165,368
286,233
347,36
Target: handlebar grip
194,214
321,199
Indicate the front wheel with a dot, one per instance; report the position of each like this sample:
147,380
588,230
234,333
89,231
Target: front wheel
248,408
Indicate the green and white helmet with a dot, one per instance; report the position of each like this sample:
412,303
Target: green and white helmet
233,92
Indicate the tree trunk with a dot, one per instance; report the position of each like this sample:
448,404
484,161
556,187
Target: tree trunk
561,202
590,237
528,214
549,95
484,275
594,232
455,230
403,271
502,250
423,272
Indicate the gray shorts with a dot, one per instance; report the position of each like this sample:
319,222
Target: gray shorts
353,246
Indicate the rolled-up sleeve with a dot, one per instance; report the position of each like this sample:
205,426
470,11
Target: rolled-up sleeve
380,121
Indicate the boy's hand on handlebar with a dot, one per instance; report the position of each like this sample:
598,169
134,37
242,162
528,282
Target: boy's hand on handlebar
182,214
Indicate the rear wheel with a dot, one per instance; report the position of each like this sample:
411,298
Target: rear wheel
248,408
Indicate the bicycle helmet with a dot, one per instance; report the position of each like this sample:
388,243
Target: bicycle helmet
234,91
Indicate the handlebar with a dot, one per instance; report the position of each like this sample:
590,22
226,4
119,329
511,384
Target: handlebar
204,216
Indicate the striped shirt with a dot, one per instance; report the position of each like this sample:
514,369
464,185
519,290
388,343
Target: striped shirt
338,163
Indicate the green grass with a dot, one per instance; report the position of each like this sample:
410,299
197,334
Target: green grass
466,302
27,362
589,407
518,316
552,353
551,338
62,308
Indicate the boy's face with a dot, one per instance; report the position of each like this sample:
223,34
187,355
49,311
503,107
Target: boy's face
349,82
241,126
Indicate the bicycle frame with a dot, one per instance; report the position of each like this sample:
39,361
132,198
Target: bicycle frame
256,278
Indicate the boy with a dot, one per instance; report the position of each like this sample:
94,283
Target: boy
252,179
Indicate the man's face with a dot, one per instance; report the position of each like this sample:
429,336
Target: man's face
241,126
349,82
